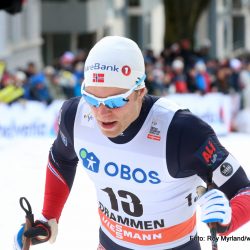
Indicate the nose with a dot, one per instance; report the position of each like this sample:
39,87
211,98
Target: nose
103,110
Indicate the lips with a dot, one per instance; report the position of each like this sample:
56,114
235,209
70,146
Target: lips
107,125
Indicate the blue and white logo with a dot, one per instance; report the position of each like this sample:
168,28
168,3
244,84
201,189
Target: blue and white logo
89,160
118,170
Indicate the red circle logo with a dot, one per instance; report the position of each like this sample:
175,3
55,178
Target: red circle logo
126,70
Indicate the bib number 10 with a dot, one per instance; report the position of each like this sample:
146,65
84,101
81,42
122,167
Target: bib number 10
132,204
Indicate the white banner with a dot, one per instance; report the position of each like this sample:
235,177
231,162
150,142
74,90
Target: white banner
29,119
214,108
32,119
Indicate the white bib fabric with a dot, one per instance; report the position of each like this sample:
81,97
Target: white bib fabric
140,205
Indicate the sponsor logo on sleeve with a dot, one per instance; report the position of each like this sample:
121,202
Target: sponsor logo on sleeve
226,169
210,153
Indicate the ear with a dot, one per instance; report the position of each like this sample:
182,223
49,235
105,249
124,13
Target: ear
142,92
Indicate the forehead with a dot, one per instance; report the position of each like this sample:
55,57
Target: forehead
103,92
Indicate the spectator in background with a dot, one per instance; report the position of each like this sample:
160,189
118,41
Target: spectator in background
20,79
235,80
149,81
81,56
158,76
52,81
79,75
221,81
202,79
4,80
212,68
187,54
31,70
67,79
175,51
191,81
165,54
149,56
203,52
10,90
38,89
179,80
245,80
67,60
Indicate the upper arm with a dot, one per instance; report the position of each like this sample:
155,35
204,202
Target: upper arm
62,153
193,148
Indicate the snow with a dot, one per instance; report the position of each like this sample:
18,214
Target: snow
23,164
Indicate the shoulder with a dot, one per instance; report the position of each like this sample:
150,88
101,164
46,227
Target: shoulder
192,146
67,114
70,106
189,124
167,105
68,109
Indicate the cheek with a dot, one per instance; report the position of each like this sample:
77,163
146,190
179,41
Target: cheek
129,112
121,114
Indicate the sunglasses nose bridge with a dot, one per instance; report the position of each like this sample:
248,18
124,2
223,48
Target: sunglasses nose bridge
101,103
103,109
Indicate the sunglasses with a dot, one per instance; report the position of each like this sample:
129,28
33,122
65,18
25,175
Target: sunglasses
111,102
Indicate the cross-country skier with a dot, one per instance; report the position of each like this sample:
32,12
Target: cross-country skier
146,156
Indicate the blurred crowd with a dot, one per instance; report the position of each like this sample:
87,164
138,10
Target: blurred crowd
59,81
177,69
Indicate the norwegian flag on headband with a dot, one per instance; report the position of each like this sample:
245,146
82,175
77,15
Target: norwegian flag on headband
97,77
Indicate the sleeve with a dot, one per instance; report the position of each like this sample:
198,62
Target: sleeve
240,205
62,163
193,148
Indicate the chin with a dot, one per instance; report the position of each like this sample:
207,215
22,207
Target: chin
111,134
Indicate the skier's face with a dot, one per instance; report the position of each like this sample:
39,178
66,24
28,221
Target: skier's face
112,122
